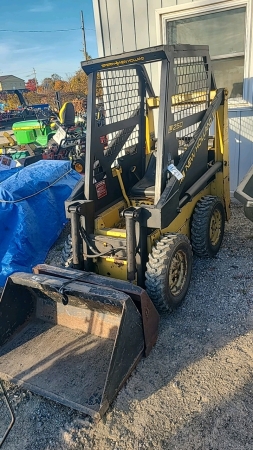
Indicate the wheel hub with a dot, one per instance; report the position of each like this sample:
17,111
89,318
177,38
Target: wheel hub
178,272
215,227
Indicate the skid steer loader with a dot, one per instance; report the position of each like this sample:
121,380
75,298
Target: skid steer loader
146,201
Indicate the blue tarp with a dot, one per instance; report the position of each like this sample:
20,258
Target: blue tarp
4,174
28,228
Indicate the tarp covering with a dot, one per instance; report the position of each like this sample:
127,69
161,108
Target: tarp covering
29,227
4,174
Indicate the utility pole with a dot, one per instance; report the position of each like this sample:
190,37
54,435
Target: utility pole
84,39
35,78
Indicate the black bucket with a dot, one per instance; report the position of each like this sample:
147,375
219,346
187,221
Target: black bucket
76,346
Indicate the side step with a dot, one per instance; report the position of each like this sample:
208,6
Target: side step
70,341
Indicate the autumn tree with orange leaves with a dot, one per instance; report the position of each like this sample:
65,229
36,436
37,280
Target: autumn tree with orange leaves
74,89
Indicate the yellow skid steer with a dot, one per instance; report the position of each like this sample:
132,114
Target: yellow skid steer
150,198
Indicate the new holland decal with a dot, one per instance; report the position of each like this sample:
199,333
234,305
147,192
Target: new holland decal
200,140
123,62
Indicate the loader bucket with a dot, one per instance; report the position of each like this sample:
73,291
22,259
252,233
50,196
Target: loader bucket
150,316
76,347
244,193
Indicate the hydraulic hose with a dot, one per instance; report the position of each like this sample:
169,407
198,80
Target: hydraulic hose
93,250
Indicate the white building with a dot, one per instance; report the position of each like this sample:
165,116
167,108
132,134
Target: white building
226,26
10,83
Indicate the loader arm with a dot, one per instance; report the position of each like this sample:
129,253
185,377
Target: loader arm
21,98
186,166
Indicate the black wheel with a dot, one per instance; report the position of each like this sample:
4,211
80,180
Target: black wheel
207,228
168,271
67,253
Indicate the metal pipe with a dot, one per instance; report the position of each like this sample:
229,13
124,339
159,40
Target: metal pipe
131,243
87,222
75,239
200,184
122,187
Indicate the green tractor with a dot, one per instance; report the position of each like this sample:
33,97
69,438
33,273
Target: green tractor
32,137
33,131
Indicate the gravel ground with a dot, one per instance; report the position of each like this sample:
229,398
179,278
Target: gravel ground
194,391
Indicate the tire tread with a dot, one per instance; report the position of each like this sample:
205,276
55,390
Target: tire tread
156,271
200,220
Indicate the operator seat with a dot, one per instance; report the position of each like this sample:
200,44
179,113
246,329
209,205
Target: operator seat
67,115
146,186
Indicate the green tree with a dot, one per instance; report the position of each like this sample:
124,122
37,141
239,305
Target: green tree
47,84
56,77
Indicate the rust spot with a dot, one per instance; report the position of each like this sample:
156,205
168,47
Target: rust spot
98,323
118,263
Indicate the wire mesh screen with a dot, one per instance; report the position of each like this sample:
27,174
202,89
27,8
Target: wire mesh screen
191,86
191,94
118,138
120,94
120,100
184,137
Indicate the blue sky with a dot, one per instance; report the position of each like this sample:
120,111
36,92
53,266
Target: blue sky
48,53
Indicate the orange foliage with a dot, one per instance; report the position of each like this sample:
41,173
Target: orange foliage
74,90
78,83
60,85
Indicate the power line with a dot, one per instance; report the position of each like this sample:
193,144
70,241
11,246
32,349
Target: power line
35,78
44,31
84,39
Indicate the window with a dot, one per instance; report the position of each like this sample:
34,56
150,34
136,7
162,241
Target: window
224,32
226,27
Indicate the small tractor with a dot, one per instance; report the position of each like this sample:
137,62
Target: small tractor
53,137
152,195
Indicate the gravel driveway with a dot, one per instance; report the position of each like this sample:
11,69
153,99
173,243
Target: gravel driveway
194,391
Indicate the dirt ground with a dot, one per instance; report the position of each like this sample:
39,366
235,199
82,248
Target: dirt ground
194,391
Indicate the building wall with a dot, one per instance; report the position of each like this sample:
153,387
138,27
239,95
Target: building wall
126,25
11,83
240,145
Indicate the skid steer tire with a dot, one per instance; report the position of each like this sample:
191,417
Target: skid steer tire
67,253
207,228
169,271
